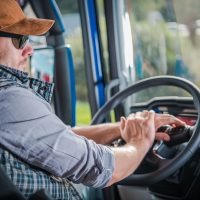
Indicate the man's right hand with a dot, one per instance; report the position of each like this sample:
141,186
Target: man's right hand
139,132
139,129
140,125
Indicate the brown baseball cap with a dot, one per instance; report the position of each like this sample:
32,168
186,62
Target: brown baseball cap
13,20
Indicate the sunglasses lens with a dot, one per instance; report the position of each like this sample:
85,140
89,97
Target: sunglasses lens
20,42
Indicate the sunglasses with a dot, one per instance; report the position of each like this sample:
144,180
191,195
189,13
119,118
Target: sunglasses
19,41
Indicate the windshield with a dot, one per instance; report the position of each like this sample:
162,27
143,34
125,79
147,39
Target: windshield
166,38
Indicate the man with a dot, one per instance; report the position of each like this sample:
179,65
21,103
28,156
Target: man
36,144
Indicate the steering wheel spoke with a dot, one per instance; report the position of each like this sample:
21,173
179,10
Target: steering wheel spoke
158,159
153,159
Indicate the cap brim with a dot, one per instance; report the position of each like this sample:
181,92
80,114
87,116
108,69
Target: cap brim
30,26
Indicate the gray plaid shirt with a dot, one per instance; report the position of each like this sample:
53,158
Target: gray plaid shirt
30,130
30,179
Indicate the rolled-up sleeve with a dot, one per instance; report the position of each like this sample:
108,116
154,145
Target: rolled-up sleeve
30,130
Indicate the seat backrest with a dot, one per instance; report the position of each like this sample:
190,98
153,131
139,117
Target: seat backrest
8,190
34,183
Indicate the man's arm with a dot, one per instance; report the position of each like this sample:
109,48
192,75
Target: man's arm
127,159
101,133
40,138
139,133
107,133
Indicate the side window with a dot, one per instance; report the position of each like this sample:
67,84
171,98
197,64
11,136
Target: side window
73,37
42,63
41,66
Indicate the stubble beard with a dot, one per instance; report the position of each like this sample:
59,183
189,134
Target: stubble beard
23,65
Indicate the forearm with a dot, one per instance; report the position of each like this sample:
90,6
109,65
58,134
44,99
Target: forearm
101,133
127,159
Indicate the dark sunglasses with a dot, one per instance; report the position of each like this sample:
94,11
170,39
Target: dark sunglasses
19,41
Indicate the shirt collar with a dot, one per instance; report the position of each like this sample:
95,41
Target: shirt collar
41,88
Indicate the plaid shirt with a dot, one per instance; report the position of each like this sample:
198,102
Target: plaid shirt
30,179
48,144
13,76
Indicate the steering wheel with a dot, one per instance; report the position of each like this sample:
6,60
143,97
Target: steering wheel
164,167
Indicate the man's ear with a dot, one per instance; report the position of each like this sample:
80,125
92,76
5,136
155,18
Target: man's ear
27,51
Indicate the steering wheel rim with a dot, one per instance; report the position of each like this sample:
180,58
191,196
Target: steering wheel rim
181,158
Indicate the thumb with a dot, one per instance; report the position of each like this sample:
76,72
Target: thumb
122,122
162,136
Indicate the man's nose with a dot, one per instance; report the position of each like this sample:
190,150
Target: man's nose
27,51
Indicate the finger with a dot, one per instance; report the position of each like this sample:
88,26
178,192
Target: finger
138,114
177,121
172,119
164,119
131,116
142,115
145,114
150,117
162,136
173,125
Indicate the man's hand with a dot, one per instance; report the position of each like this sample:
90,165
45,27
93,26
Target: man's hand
140,119
166,119
139,132
139,128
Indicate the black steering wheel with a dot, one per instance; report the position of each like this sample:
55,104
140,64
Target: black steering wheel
164,167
